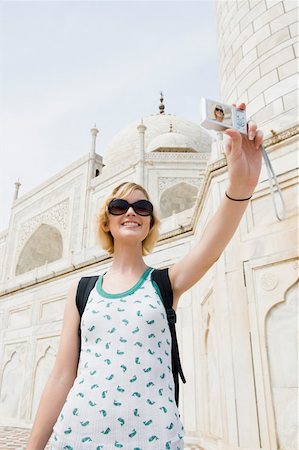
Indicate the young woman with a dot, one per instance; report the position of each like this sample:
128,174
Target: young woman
121,393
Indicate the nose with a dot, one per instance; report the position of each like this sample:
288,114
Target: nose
131,211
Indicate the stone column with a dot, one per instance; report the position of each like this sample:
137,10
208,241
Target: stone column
17,187
140,164
92,166
94,131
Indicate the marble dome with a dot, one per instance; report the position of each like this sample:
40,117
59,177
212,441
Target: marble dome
169,142
186,135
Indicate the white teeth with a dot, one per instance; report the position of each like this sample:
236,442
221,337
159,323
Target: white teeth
131,224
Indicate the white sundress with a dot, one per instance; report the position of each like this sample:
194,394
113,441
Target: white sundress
123,396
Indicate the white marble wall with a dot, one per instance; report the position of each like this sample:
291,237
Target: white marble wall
258,58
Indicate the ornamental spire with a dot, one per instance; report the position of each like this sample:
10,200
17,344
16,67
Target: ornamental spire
162,106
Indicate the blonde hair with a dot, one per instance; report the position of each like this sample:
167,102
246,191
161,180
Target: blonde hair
105,237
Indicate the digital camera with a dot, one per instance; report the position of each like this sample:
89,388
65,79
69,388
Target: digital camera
219,116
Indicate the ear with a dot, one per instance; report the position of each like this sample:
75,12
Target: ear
105,227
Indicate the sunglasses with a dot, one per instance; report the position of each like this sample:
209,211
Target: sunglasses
120,206
220,110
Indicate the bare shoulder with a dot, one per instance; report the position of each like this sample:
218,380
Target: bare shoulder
73,287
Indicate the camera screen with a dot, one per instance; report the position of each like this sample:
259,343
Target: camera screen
220,113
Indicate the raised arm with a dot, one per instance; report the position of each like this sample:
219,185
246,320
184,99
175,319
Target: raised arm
61,377
244,165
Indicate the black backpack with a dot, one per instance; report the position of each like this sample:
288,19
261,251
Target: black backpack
85,286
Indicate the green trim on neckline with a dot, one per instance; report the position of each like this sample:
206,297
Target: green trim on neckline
130,291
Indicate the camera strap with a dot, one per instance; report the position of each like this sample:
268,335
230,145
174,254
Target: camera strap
273,182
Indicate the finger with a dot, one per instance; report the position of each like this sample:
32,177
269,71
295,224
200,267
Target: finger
241,106
259,137
251,130
234,142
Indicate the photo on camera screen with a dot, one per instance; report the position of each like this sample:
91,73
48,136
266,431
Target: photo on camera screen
220,113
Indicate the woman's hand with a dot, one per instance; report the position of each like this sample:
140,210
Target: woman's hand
244,160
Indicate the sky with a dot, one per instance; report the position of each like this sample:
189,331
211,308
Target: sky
67,65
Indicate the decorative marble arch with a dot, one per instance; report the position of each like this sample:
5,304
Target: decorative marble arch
55,216
167,182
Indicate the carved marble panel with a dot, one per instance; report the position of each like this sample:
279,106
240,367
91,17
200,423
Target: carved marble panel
51,309
262,211
176,156
20,317
12,379
166,182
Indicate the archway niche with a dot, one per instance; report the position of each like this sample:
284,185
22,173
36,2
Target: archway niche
282,346
44,246
11,386
177,198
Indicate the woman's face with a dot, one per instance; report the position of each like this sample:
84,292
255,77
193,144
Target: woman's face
219,114
130,226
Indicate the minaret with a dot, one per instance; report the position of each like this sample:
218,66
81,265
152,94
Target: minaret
140,165
94,131
17,187
96,162
257,59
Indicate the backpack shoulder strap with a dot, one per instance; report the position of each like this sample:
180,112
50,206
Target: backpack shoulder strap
161,277
85,286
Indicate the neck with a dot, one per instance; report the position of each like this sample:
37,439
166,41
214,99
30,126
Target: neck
127,259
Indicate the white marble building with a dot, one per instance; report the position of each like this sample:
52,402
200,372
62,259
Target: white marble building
237,327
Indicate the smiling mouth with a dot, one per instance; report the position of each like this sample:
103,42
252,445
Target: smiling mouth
130,224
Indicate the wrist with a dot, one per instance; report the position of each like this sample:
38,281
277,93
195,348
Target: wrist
238,199
239,192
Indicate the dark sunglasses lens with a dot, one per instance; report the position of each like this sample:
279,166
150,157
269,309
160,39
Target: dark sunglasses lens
220,110
143,207
118,207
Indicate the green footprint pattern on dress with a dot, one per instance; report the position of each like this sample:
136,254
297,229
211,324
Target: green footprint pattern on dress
123,396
